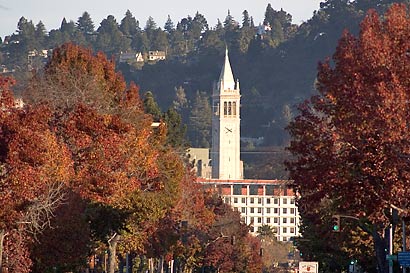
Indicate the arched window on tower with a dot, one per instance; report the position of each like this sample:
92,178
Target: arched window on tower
229,108
234,108
225,108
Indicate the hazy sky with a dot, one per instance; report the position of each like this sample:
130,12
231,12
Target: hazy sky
51,12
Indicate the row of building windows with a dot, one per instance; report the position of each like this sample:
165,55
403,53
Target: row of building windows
259,189
268,210
280,231
273,220
255,200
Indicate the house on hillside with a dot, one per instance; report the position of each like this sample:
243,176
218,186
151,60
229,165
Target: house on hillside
156,55
131,57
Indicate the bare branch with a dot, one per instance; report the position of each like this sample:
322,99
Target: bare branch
40,212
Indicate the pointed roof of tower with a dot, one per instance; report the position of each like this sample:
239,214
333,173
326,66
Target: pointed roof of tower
226,74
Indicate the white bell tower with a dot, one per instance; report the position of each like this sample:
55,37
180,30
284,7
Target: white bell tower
225,152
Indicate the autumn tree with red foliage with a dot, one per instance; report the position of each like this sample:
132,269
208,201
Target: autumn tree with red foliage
229,246
351,142
35,168
118,157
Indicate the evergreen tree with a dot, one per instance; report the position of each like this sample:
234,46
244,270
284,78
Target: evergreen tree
269,15
200,20
141,42
229,22
277,32
185,25
219,25
178,43
175,129
129,26
25,41
41,35
158,40
110,39
151,107
169,25
84,24
245,19
150,25
200,121
246,35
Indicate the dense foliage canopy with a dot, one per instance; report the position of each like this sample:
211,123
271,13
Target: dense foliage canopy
351,142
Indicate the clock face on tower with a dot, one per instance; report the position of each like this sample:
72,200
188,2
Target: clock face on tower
228,130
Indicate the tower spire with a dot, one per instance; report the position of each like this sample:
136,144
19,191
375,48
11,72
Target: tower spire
226,79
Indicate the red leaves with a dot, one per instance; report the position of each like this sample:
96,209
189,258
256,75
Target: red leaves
349,141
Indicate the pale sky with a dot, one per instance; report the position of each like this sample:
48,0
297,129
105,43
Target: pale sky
51,12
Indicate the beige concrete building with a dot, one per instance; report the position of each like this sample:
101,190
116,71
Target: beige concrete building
260,202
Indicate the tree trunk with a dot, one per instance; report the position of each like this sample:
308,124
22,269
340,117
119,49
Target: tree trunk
380,247
160,268
2,235
1,249
151,265
112,252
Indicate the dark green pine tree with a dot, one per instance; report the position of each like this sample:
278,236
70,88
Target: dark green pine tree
230,23
129,25
175,129
85,24
200,22
200,121
159,40
246,22
110,39
169,25
269,15
25,41
178,43
150,25
41,35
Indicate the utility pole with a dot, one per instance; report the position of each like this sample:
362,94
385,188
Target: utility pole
391,248
404,240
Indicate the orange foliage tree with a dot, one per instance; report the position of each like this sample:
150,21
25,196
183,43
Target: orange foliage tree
35,168
118,158
351,142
